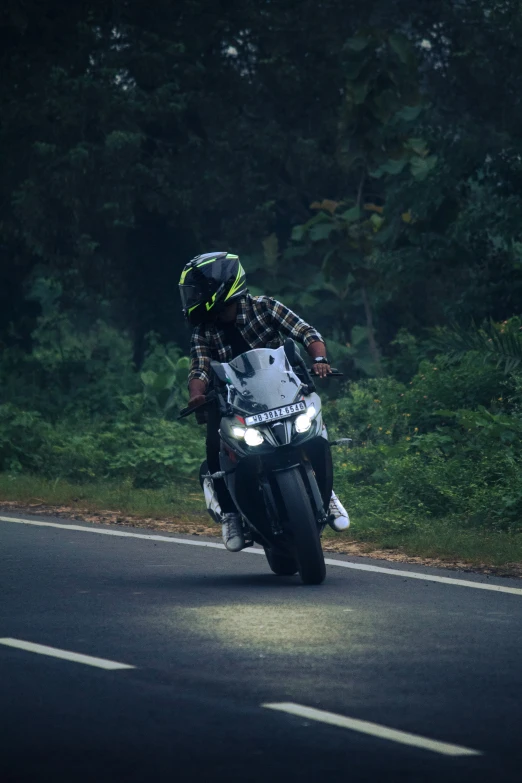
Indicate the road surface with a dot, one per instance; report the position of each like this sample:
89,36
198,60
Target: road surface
137,657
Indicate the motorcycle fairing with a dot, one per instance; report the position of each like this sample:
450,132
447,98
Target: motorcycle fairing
260,380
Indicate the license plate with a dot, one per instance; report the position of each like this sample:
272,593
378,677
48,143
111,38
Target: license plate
276,413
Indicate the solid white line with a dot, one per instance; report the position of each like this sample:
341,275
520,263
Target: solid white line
445,580
120,533
54,652
329,561
374,729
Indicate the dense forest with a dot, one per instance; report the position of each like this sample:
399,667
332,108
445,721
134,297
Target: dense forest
364,160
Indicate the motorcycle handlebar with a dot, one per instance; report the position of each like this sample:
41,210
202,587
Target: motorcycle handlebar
192,409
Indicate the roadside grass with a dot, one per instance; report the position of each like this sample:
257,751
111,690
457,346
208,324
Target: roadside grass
179,501
443,541
183,502
447,542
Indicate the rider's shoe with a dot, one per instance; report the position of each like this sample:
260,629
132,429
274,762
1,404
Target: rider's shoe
233,537
338,519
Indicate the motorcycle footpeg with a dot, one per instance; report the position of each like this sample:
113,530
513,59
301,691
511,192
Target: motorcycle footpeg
220,474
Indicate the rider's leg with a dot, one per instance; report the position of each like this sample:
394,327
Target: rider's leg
213,444
233,537
338,515
339,519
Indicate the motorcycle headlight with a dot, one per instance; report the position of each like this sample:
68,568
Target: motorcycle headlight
302,423
238,432
311,412
253,437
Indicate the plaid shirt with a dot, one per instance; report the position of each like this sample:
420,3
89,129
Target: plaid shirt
261,320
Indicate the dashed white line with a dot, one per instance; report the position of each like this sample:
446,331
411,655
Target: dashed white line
329,561
373,729
67,655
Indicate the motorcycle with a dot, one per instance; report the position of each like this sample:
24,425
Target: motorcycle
275,456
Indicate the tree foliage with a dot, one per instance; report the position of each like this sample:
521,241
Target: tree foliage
500,344
367,166
135,136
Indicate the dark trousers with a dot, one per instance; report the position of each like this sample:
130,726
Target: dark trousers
225,500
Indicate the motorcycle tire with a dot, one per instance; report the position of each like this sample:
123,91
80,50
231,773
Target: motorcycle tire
303,527
281,565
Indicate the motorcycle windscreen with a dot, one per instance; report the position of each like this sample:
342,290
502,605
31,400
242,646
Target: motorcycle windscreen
262,379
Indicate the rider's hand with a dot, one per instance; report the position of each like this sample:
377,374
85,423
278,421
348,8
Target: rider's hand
202,413
321,369
195,402
198,399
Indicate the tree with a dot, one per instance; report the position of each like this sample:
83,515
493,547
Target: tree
135,136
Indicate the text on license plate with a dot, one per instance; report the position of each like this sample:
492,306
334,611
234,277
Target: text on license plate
276,413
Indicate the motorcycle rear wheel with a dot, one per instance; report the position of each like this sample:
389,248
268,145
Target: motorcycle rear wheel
282,565
303,526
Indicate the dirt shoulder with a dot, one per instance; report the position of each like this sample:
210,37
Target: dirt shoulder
199,525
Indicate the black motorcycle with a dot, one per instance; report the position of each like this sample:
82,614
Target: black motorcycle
275,456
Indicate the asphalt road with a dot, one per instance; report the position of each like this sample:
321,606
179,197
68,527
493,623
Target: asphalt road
214,636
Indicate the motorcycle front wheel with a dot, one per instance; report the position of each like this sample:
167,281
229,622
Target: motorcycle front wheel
301,524
282,565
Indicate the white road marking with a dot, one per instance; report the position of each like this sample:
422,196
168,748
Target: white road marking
374,729
120,533
445,580
54,652
329,561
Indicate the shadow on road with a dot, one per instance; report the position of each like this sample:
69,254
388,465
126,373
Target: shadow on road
184,582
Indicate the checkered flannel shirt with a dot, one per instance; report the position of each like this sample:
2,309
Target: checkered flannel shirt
263,323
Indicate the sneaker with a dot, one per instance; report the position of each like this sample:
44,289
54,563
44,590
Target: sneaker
339,519
233,537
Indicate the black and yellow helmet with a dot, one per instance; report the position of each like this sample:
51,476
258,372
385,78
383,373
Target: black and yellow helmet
209,283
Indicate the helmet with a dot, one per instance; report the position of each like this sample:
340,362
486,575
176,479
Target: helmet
208,284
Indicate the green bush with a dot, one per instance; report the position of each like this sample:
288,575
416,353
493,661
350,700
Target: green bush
77,408
446,445
153,453
150,451
23,435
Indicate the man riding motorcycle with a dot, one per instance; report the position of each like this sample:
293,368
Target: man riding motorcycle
228,321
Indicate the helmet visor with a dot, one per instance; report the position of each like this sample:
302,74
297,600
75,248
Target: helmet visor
191,295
